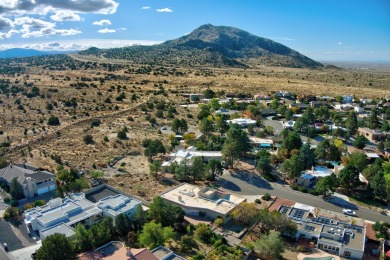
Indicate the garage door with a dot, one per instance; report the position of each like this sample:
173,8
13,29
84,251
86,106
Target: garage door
43,190
52,187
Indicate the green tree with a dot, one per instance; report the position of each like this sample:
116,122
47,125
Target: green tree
82,240
154,168
230,152
322,149
378,185
263,165
164,212
326,185
154,235
214,168
140,217
246,213
292,141
349,177
372,121
203,232
270,245
306,155
385,126
322,113
97,174
187,243
360,142
293,167
333,153
197,168
16,189
56,246
289,114
208,94
351,123
122,223
359,160
3,162
236,134
206,127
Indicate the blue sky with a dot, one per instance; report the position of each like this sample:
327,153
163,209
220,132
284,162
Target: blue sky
348,30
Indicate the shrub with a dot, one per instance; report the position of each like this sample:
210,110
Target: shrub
266,196
39,203
130,118
302,189
14,203
88,139
314,192
11,212
105,139
122,135
294,186
95,122
7,199
218,222
53,120
257,201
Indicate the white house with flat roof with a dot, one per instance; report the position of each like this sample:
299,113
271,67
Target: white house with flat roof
242,122
333,232
189,153
203,201
62,215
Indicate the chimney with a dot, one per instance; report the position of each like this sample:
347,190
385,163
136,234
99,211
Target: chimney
129,253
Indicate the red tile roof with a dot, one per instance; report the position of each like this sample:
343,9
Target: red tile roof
279,202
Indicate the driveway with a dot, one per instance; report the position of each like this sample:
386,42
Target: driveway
246,183
276,125
15,235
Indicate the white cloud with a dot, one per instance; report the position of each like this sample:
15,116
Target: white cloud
281,38
5,23
8,34
339,43
145,7
45,6
122,29
75,45
164,10
50,31
102,23
65,15
106,30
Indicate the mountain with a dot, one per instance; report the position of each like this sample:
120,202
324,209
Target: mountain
19,52
216,46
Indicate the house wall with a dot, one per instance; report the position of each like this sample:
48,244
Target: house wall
355,254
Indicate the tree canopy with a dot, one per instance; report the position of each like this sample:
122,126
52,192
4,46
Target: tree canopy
56,246
153,234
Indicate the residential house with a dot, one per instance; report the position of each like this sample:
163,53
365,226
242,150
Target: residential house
316,104
262,96
306,180
189,153
62,215
35,181
116,250
203,202
260,143
193,97
268,112
347,99
373,135
242,122
299,106
331,231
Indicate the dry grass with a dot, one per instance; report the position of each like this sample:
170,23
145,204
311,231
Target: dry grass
66,140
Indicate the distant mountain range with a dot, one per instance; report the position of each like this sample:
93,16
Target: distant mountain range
214,46
19,52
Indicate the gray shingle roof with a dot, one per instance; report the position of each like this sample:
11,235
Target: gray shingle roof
21,172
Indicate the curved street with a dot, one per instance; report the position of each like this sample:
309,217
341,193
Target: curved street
246,183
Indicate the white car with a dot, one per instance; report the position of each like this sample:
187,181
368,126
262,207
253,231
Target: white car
349,212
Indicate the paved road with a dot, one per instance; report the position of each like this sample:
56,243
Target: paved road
3,254
246,183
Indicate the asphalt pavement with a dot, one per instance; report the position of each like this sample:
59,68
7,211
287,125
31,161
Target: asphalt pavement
246,183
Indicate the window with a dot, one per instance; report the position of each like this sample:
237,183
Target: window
347,253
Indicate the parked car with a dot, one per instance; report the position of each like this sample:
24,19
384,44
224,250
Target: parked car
164,128
349,212
5,247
